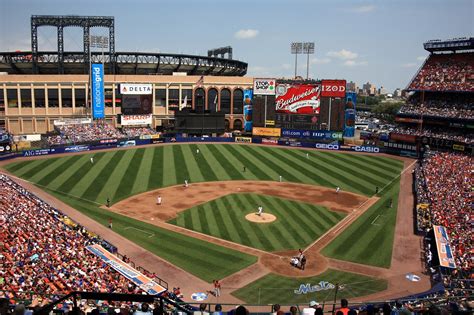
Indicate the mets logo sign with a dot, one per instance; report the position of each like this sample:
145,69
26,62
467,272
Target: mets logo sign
308,288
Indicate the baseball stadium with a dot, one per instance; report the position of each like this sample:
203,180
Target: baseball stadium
166,183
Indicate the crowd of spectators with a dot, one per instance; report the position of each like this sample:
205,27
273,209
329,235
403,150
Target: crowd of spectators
446,72
436,133
82,133
444,186
44,252
133,132
439,109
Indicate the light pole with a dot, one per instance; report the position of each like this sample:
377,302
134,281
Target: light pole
296,48
96,42
308,48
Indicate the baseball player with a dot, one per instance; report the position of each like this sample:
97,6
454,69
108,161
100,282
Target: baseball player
186,183
260,210
280,178
158,200
338,189
197,151
92,160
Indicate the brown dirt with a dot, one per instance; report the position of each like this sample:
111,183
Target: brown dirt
406,247
262,218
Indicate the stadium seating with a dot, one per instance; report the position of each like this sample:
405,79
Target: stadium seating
444,183
133,132
446,72
81,133
43,251
436,132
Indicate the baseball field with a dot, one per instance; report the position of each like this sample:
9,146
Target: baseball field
202,229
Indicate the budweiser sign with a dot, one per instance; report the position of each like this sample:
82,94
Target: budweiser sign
298,99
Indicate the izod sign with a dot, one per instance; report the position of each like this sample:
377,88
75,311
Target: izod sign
264,86
333,88
136,89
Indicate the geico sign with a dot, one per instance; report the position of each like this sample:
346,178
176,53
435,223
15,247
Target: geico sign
327,146
367,149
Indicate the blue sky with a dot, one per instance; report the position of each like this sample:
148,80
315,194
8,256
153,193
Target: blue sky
376,41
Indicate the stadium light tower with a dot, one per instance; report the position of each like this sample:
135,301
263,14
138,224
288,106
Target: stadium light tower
96,42
296,48
308,48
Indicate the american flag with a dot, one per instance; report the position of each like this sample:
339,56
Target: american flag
200,82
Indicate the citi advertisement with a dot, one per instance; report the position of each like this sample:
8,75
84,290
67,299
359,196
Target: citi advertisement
97,91
298,99
311,134
248,110
350,114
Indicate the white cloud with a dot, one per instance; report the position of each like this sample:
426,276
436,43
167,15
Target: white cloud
343,54
321,61
246,34
257,70
353,63
409,65
421,58
286,66
364,8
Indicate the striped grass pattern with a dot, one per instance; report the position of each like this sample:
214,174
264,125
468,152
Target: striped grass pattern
297,225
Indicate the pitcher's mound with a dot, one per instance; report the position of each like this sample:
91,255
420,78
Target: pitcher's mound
263,218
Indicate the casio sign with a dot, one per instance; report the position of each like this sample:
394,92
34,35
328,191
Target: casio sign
367,149
327,146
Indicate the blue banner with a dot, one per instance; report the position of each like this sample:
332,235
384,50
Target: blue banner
97,91
248,110
311,134
350,114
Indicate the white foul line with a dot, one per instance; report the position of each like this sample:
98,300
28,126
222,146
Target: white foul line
131,227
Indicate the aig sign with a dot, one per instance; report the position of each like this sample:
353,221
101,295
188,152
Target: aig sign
264,86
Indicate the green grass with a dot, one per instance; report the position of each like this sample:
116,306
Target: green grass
298,224
120,174
205,260
369,240
273,288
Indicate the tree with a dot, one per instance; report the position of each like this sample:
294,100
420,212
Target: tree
387,110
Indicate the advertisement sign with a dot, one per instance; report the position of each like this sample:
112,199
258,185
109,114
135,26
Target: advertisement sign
142,281
271,132
264,86
5,148
270,141
312,134
445,253
402,137
72,121
97,91
248,110
133,120
136,104
126,143
77,148
298,99
350,114
333,88
366,148
243,139
38,152
136,89
408,120
327,146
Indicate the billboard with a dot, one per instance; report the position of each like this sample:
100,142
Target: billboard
134,120
271,132
136,89
333,88
445,253
264,86
136,104
350,114
248,110
298,99
97,90
140,280
311,134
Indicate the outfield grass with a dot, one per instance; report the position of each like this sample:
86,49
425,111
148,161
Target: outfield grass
298,224
273,288
369,240
123,173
